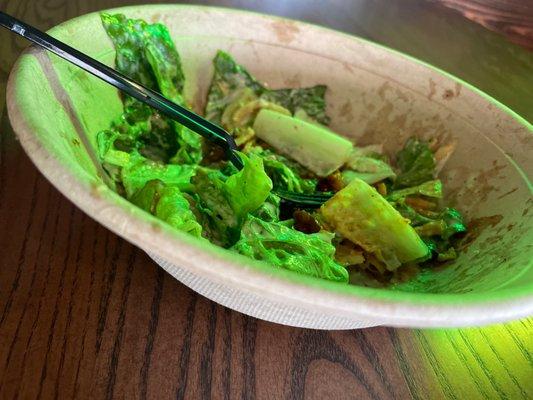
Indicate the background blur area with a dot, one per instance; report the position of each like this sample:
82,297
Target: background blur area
440,32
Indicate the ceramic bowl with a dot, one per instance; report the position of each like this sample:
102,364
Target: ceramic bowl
375,95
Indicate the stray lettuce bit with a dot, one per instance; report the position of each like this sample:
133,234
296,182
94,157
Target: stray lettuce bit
283,176
269,210
454,222
416,163
415,218
284,247
366,166
231,80
127,36
225,202
431,188
168,204
310,100
146,53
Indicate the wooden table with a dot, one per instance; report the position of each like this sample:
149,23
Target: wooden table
85,314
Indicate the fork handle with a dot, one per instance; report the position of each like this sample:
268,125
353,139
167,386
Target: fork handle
172,110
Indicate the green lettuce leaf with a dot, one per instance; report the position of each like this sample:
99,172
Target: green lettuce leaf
416,163
146,53
248,189
167,203
139,172
287,248
367,166
431,188
283,176
230,79
311,100
128,39
220,223
269,210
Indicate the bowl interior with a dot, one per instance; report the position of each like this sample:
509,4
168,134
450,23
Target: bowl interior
375,96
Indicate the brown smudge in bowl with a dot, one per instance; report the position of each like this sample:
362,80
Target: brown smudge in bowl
285,31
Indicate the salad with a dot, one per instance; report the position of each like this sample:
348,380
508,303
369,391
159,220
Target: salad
385,220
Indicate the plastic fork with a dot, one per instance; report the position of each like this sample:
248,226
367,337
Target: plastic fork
191,120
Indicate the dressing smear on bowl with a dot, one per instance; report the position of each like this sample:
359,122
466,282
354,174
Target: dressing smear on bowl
385,221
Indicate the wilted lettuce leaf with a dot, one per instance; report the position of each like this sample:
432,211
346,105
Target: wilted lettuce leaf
437,232
431,188
283,176
230,79
269,210
225,201
219,221
311,100
416,163
454,222
137,173
248,189
283,247
146,53
168,204
366,166
127,36
415,218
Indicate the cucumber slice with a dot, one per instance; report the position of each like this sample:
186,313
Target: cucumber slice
360,214
315,147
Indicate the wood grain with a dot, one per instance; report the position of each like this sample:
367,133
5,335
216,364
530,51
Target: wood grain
83,314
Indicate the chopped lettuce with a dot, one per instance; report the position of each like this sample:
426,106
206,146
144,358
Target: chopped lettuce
157,164
416,163
249,188
310,100
136,174
231,81
220,223
283,177
366,166
284,247
168,204
146,53
431,188
226,201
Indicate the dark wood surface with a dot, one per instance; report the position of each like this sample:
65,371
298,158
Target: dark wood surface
83,314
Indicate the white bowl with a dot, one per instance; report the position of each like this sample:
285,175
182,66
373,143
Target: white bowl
375,95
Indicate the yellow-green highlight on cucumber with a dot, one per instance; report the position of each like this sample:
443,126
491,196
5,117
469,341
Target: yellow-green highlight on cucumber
360,214
316,148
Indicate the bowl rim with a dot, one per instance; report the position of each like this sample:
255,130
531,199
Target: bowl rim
394,307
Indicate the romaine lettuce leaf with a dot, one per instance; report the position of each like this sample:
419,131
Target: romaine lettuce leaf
225,201
220,223
137,173
366,166
311,100
416,163
146,53
283,247
231,79
168,204
431,188
248,189
283,176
